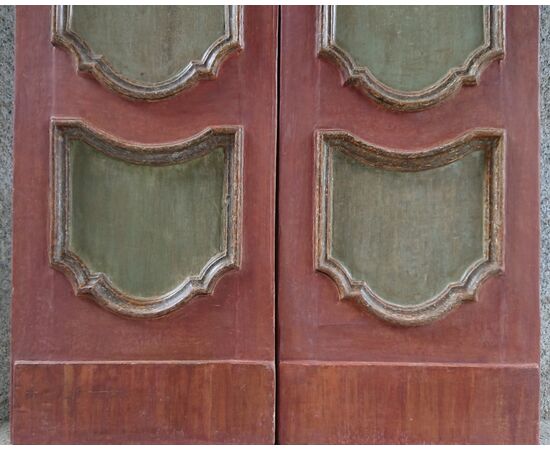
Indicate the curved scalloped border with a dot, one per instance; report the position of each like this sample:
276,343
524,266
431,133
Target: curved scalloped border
97,284
205,68
467,74
491,141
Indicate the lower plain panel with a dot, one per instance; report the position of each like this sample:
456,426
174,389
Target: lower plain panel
351,403
142,402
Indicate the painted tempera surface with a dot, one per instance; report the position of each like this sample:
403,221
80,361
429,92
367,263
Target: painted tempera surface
409,48
147,228
149,44
407,234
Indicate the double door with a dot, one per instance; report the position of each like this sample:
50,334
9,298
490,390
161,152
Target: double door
276,224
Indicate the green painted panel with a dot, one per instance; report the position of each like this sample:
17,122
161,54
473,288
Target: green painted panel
149,44
146,227
409,47
408,234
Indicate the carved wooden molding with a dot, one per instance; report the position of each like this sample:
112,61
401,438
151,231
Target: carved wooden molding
206,68
361,77
97,284
368,154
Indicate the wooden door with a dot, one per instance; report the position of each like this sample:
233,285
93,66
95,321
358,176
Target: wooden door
144,231
144,205
408,225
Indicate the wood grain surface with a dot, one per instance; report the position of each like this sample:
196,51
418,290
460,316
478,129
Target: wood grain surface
373,403
143,402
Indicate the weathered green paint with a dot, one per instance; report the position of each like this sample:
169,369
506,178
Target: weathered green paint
149,44
409,47
408,234
147,228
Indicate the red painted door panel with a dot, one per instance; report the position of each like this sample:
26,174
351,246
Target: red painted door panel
347,375
203,373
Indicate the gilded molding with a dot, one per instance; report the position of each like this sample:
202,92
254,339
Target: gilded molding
97,284
467,74
491,141
194,71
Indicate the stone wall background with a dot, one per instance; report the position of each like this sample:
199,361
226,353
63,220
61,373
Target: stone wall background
544,63
7,26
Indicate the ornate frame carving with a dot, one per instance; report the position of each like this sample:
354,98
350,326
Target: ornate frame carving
455,292
467,74
99,67
97,284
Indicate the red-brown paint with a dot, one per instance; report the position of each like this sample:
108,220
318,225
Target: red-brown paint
501,327
144,402
52,326
336,358
407,403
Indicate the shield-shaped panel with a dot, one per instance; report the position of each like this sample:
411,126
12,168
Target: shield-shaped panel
148,52
410,234
142,229
411,57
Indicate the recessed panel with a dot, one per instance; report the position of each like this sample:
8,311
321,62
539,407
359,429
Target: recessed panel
148,52
411,57
408,234
149,44
142,229
147,227
409,48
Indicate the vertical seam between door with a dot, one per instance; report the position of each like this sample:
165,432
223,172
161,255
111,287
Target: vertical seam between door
276,265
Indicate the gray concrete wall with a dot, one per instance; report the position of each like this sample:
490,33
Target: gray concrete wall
6,115
7,21
545,208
